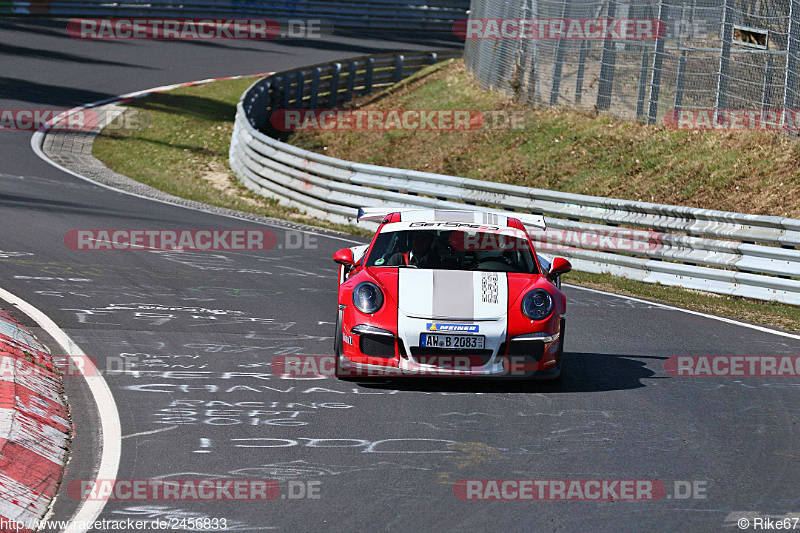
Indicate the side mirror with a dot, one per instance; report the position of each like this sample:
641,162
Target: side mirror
344,257
560,266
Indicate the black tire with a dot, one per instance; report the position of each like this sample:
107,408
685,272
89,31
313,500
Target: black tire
337,349
561,362
337,371
546,376
337,337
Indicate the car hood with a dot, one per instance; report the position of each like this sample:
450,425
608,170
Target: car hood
454,295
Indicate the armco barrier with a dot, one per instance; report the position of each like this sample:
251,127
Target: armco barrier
427,15
727,253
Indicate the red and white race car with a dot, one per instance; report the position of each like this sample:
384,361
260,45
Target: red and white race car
449,293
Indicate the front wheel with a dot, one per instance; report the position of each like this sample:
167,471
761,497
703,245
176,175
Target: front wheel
337,336
561,361
337,346
341,373
338,371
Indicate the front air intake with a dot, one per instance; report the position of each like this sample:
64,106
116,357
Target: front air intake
377,345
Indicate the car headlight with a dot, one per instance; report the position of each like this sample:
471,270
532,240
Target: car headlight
537,304
367,297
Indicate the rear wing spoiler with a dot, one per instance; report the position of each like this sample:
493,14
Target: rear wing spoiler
379,213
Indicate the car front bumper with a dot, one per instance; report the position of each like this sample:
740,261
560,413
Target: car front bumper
531,355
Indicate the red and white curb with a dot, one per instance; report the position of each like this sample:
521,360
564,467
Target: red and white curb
34,425
128,97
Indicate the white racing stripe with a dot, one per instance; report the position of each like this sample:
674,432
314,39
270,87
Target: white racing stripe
111,438
411,284
452,294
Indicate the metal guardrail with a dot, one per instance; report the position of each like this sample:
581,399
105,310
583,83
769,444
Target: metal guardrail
721,252
412,15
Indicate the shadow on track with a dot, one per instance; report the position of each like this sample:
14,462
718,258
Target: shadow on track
35,53
14,201
50,95
39,27
584,372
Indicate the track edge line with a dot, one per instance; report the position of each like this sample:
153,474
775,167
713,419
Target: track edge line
110,422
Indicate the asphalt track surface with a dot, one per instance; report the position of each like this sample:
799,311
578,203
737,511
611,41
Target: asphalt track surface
385,455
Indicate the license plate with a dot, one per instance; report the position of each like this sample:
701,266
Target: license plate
454,342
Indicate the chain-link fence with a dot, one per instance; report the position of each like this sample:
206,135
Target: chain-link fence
698,56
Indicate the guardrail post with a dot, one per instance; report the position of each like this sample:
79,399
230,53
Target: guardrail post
334,85
533,77
725,56
351,79
261,105
766,95
658,61
680,82
312,104
368,77
581,69
251,103
642,86
398,70
273,99
792,49
301,86
607,66
558,60
287,88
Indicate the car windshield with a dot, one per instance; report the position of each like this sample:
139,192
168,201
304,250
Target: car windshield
504,251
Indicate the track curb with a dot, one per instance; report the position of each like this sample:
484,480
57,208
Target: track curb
35,426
